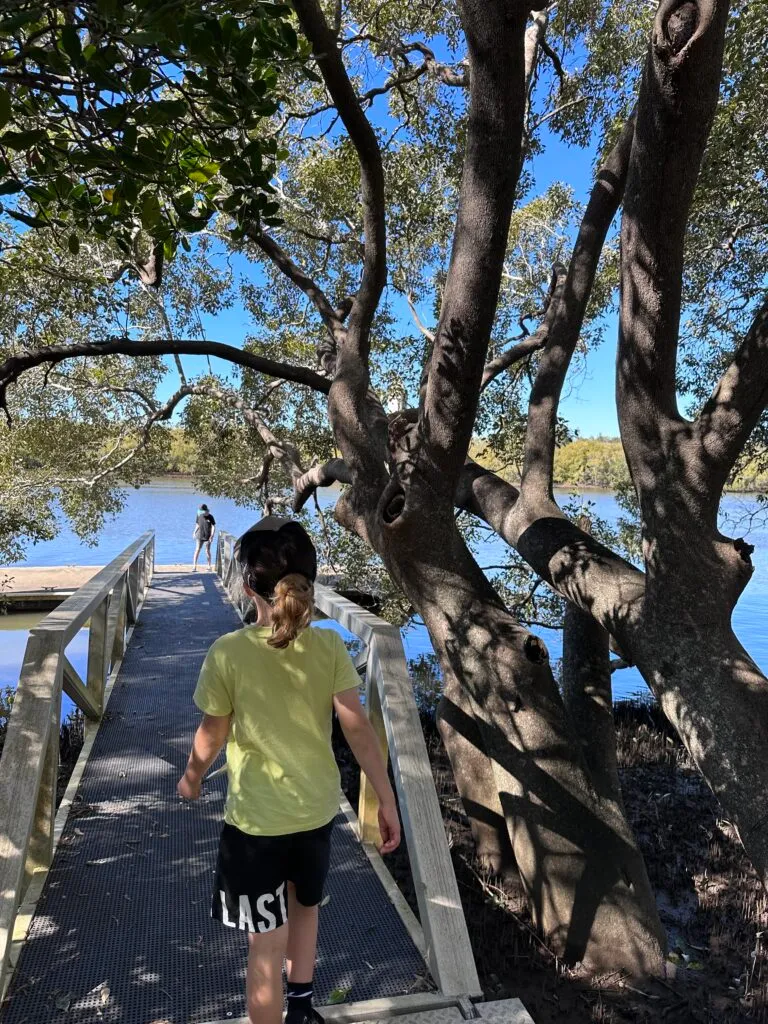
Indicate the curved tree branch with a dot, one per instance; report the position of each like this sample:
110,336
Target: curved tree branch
271,248
357,420
15,366
328,56
535,341
332,472
571,561
735,406
676,106
565,315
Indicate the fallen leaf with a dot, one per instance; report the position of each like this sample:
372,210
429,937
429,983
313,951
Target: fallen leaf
63,1002
338,995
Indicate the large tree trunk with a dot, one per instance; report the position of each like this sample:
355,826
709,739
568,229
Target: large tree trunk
588,696
584,876
473,774
709,688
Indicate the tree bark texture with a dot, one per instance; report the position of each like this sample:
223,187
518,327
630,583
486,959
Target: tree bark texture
588,698
473,774
576,855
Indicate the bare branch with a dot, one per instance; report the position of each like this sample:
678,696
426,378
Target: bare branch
445,74
557,64
332,472
736,404
558,110
429,335
537,340
355,416
495,36
15,366
163,412
293,272
363,138
567,316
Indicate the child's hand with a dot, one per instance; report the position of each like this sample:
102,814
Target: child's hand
188,789
389,826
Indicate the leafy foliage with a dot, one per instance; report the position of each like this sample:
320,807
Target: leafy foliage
127,114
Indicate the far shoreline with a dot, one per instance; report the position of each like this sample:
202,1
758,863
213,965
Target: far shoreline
573,488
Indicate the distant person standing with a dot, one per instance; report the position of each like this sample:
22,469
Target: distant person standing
205,529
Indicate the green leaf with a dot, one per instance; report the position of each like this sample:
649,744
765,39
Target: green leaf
6,108
31,222
10,187
74,244
140,79
70,41
150,211
338,995
22,140
203,174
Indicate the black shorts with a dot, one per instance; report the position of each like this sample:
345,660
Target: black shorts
252,873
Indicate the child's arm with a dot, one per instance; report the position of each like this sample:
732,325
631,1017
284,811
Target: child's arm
210,737
364,744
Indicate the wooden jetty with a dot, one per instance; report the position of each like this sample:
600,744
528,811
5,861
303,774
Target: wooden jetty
103,903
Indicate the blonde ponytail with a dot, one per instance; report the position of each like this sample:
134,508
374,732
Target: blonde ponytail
291,609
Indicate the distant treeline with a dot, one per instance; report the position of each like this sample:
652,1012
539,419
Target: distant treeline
181,454
599,462
586,462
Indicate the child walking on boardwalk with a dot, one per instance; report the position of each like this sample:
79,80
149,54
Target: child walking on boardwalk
269,691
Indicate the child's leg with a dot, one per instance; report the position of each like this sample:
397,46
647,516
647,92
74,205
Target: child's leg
302,938
264,981
198,549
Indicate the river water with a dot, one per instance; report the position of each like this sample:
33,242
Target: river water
168,506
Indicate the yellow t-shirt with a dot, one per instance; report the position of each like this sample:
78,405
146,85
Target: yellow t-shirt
283,776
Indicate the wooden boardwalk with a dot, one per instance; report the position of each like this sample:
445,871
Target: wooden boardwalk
123,924
104,907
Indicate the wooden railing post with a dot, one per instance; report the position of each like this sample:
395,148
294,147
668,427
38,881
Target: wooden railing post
121,596
133,591
98,654
40,849
368,806
142,560
26,768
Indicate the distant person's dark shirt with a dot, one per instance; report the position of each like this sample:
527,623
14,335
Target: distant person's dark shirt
205,525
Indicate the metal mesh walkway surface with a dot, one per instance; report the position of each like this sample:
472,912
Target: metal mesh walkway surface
122,932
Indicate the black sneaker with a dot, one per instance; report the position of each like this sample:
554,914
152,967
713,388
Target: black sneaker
310,1016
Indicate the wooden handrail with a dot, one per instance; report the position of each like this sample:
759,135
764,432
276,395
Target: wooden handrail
392,708
72,614
30,758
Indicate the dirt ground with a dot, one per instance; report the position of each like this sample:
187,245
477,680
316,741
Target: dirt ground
713,907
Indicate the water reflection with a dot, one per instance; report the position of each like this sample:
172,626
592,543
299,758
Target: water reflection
14,633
